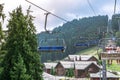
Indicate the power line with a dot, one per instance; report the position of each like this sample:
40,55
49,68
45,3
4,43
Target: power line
50,13
91,7
47,11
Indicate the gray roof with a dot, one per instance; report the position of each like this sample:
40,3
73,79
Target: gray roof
82,57
50,65
67,64
83,64
85,57
99,74
77,64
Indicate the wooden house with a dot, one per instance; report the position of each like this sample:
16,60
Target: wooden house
63,66
81,68
84,68
49,66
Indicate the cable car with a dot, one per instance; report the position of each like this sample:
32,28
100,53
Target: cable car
87,43
52,45
93,42
82,45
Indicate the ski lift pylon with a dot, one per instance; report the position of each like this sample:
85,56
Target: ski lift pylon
82,45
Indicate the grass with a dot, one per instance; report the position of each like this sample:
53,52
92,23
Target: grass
114,66
90,51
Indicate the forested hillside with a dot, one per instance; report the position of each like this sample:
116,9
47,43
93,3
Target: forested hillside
116,27
88,28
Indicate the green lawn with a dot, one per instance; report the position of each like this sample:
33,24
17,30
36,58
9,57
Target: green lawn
90,51
114,66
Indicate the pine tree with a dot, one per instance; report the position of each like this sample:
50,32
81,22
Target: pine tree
70,72
18,72
52,71
21,40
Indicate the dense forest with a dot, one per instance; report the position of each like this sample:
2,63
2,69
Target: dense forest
116,27
88,28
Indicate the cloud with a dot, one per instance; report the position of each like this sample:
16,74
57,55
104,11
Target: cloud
67,9
109,9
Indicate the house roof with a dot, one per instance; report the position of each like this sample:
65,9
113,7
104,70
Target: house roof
99,74
85,57
77,64
67,64
84,64
82,57
50,65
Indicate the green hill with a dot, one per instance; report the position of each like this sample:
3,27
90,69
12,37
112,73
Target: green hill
87,28
90,51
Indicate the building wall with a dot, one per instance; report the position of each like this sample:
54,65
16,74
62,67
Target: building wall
80,74
60,71
86,72
92,68
48,71
95,79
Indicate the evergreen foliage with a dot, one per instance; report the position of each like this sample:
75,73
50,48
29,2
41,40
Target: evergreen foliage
70,72
52,71
22,59
118,36
18,72
115,25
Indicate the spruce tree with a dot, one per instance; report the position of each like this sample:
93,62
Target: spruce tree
70,72
52,71
18,72
21,43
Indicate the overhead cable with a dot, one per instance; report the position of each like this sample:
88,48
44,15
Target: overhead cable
47,11
91,7
50,13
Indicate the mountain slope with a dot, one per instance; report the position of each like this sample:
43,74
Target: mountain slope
71,32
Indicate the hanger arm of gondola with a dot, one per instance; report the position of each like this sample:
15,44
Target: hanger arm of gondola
46,15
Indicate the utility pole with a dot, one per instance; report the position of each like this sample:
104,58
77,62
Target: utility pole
104,69
104,63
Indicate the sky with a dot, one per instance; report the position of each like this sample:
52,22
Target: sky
67,9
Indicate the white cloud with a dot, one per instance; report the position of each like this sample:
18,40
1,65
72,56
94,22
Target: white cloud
108,9
67,9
